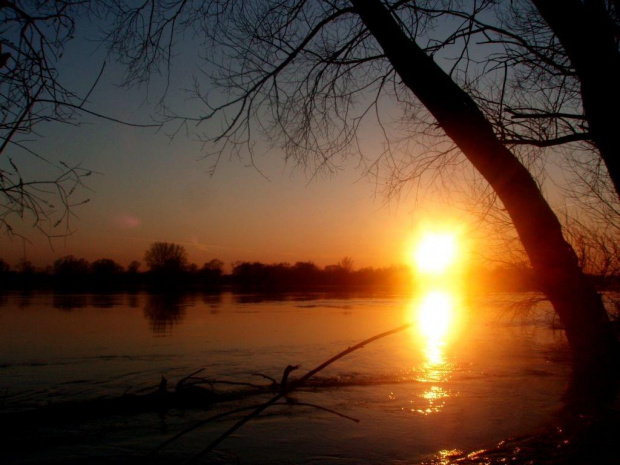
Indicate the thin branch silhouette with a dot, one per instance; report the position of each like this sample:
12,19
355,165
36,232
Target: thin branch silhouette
285,389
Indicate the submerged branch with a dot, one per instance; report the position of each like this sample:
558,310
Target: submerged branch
290,387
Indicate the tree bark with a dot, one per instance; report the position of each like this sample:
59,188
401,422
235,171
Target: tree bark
586,32
579,306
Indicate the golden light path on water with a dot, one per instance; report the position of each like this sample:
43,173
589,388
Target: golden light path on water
434,318
434,313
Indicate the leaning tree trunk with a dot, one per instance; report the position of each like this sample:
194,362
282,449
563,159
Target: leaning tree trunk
579,306
587,33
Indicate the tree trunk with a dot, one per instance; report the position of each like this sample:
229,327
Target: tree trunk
579,306
586,31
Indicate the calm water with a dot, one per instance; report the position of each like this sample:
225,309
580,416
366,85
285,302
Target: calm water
469,373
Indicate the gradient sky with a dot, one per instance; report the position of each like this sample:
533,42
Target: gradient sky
150,188
153,189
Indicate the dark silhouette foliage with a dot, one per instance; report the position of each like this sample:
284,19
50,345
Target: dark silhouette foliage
71,271
105,272
307,276
133,267
105,267
107,275
166,258
211,272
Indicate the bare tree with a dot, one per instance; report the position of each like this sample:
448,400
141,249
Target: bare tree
34,188
164,257
588,32
33,35
547,84
346,264
310,74
553,260
215,266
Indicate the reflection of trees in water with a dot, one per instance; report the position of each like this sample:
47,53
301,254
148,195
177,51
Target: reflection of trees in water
104,300
164,311
132,300
213,301
259,297
24,299
68,302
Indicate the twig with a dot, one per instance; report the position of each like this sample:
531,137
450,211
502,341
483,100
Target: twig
219,416
237,383
318,407
288,389
275,383
284,382
198,425
191,375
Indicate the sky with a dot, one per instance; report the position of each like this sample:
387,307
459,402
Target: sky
148,187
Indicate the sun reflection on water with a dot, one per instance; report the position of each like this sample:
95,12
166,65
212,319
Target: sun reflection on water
439,258
435,320
435,398
435,313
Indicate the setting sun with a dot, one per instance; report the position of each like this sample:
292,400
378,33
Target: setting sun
435,253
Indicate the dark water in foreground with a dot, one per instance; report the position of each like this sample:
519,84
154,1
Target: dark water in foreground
468,374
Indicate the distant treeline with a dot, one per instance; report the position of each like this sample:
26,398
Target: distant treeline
167,267
71,272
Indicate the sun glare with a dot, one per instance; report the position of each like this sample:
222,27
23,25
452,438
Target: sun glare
435,253
435,315
439,255
435,321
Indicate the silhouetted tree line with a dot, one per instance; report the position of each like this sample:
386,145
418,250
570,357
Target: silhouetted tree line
304,275
168,267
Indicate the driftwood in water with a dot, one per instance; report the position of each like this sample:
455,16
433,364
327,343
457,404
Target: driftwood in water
190,392
286,387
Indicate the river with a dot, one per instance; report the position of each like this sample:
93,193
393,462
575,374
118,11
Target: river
468,373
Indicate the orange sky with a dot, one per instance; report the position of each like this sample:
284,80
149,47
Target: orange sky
150,188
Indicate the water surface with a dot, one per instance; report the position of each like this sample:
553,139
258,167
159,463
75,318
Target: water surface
466,378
